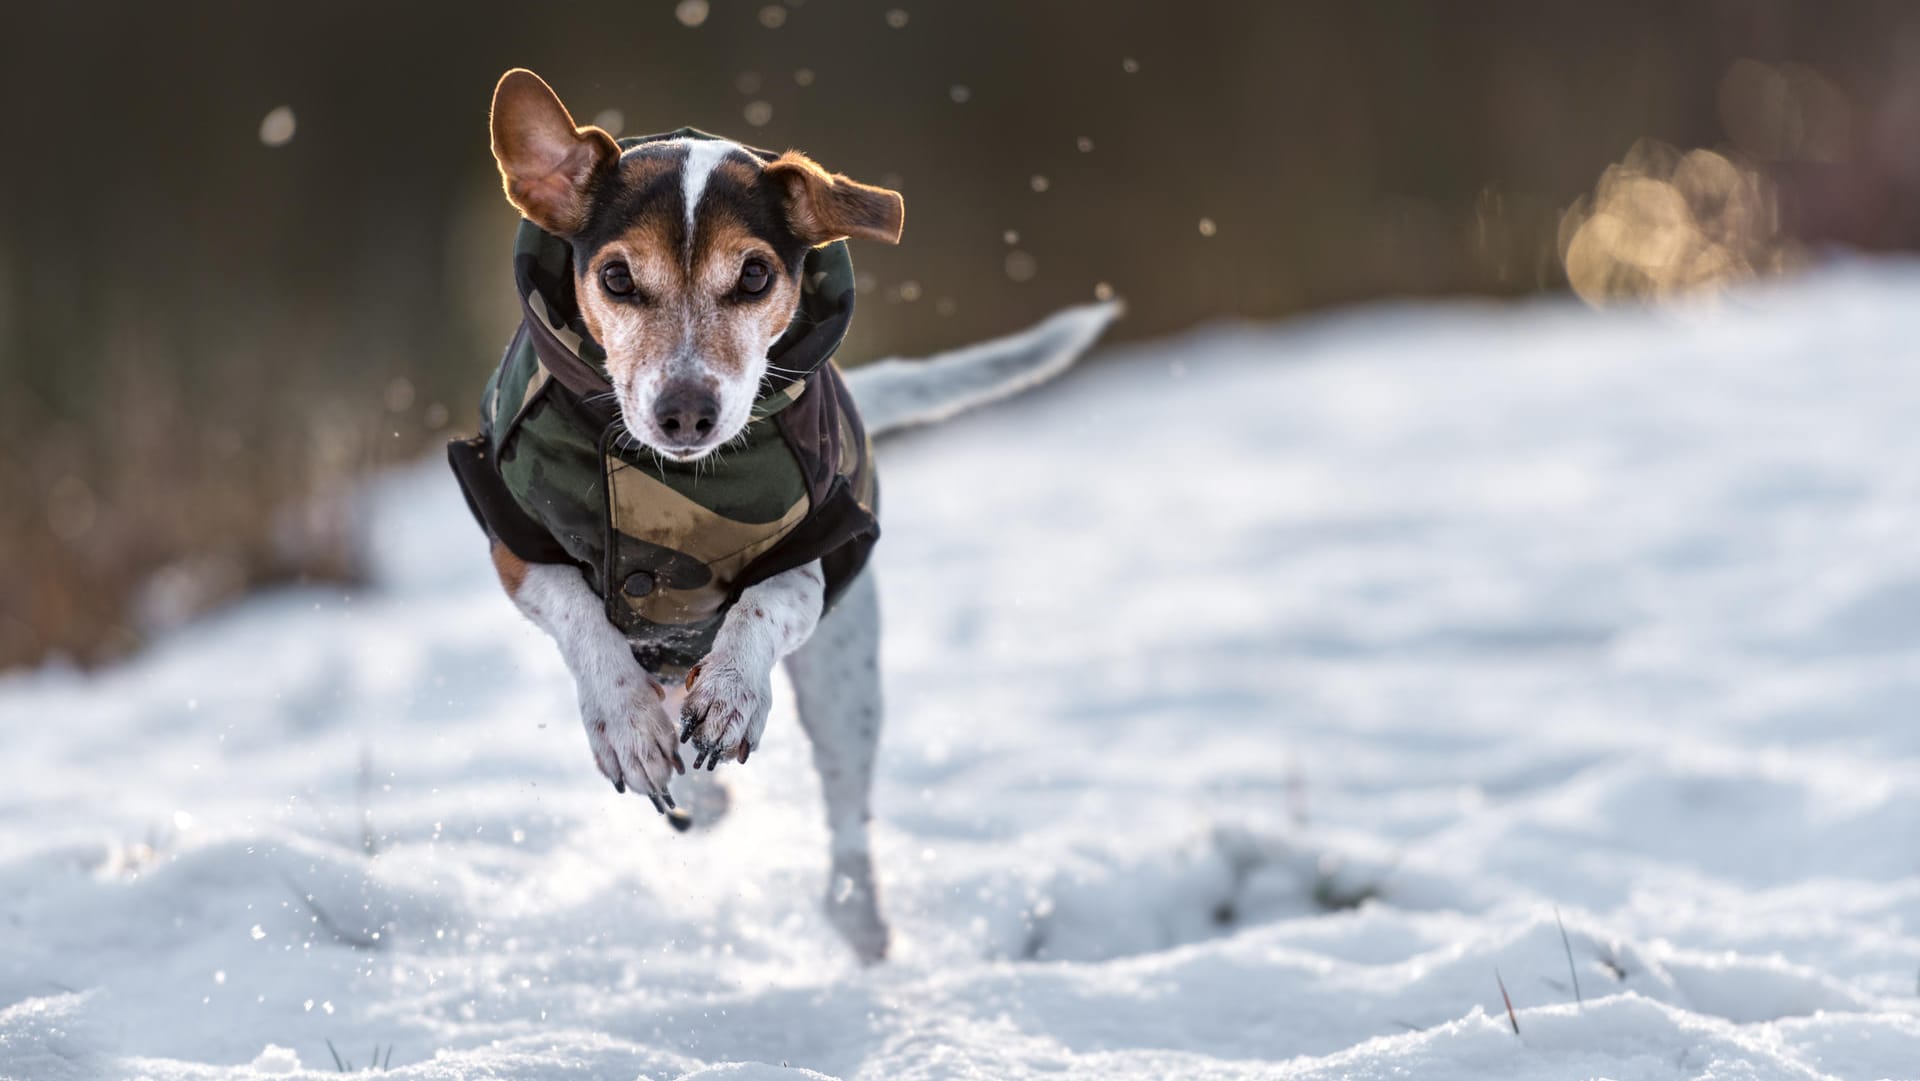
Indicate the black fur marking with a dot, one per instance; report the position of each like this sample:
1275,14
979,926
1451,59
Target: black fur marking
760,208
618,203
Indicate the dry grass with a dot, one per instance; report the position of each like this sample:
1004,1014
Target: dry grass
154,505
1512,1018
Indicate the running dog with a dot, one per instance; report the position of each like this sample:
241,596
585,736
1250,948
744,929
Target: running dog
676,479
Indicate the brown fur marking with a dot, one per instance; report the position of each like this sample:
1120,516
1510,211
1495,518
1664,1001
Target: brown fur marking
511,568
824,207
547,163
687,308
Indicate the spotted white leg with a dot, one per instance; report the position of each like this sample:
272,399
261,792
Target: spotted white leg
731,690
836,687
621,707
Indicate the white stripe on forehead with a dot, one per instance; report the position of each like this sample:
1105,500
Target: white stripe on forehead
703,156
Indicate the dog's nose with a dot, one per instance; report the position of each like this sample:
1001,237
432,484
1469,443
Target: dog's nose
686,413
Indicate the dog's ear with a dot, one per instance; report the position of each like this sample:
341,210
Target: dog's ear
548,165
823,207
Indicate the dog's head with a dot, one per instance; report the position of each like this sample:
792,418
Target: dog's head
687,255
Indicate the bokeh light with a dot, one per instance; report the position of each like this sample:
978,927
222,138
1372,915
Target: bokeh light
1663,222
612,121
690,12
277,127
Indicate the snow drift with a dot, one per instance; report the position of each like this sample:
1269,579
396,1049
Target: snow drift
1281,687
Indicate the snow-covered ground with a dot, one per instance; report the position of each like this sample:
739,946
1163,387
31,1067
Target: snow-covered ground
1256,698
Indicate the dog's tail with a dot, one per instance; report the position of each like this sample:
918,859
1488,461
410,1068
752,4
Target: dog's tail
894,393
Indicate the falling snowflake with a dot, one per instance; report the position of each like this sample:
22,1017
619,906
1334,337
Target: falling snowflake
691,12
277,127
610,121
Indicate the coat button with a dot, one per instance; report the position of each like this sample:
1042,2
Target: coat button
638,584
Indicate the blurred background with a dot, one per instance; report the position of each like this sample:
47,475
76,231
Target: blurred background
251,252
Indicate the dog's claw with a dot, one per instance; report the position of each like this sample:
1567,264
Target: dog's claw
657,805
620,786
691,722
679,819
744,751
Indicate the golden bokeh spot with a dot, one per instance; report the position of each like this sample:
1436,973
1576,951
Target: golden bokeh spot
1661,223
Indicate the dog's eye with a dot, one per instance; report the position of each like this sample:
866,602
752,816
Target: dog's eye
754,277
617,279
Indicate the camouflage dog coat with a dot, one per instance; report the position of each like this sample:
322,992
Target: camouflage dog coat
554,477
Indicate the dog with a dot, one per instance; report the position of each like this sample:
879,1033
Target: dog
675,478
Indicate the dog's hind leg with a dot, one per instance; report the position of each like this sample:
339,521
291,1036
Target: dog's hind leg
836,687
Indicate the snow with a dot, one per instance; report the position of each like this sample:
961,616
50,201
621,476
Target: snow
1255,697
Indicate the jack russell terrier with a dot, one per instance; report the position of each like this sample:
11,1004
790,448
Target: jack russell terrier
676,479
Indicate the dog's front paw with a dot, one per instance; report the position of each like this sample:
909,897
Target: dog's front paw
631,736
726,710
